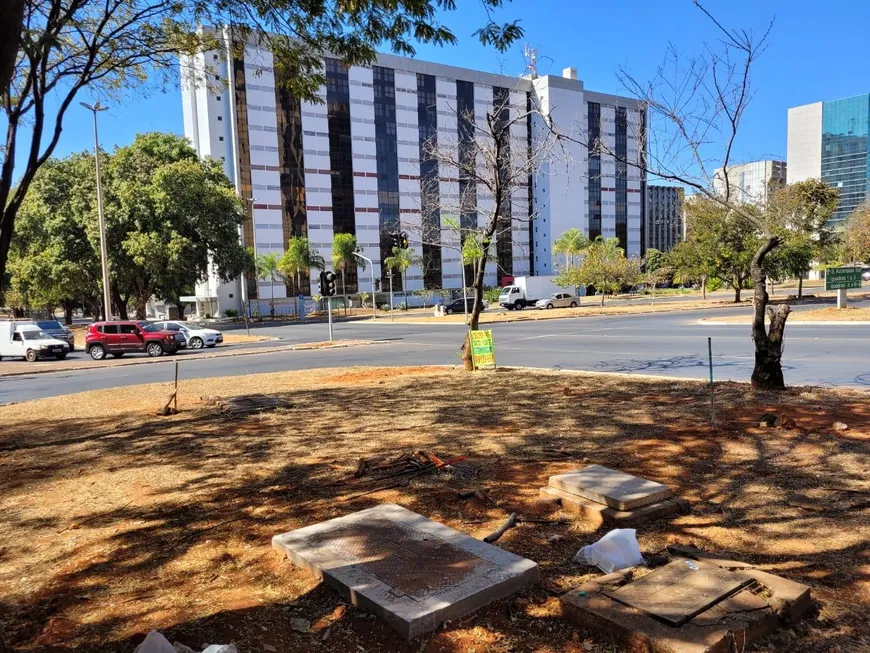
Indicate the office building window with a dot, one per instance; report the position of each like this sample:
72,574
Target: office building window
244,161
386,149
845,126
504,240
594,130
467,152
340,155
621,177
427,125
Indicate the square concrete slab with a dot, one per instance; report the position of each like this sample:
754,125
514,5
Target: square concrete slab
679,591
602,515
729,623
412,572
611,487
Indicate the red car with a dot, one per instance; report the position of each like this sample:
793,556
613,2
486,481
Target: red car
119,338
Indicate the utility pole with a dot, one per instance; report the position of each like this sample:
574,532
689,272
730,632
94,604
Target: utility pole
104,251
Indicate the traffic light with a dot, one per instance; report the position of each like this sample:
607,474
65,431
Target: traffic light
394,238
377,284
403,240
327,283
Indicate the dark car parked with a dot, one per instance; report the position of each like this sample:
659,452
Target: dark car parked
133,337
456,305
58,331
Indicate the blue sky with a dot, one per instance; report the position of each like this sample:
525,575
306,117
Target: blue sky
816,52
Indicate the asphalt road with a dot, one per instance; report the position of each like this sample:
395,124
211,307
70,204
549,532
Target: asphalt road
669,344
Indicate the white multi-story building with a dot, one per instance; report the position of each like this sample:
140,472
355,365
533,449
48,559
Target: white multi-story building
751,182
356,163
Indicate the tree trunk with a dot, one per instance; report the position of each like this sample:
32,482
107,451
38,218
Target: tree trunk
142,305
737,293
68,312
703,286
272,298
344,290
119,303
800,286
767,373
180,306
602,298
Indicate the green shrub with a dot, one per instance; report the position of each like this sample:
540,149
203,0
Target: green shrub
231,312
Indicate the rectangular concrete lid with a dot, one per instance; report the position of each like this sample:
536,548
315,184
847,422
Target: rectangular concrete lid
611,487
411,571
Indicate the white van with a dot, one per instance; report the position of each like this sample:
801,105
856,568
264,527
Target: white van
28,341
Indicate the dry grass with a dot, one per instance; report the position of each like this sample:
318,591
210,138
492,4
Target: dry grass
828,314
113,521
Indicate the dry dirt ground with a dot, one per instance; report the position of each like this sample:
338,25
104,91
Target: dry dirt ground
114,521
828,314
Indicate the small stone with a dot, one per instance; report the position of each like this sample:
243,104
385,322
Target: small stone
840,426
587,646
555,538
585,461
300,625
269,647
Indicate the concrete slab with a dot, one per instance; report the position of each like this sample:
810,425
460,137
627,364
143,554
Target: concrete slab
412,572
679,590
732,623
611,487
602,515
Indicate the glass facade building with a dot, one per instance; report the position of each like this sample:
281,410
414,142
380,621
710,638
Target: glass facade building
845,126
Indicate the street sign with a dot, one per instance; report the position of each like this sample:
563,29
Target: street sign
842,278
482,350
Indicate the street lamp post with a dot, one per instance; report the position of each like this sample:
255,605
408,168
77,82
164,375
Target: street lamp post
104,252
374,293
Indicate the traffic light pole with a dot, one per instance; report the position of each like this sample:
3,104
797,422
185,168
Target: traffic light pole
329,313
391,295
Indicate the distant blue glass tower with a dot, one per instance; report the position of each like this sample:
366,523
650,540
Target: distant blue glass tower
845,155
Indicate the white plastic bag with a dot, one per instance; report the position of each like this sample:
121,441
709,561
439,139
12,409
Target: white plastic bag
157,643
616,550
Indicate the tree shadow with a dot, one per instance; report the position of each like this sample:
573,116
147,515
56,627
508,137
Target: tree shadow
175,534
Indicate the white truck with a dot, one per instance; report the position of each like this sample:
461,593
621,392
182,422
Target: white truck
525,291
28,341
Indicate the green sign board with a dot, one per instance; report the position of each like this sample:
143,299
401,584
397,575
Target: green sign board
482,350
842,278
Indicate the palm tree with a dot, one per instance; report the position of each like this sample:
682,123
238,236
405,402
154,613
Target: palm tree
300,256
400,261
571,243
267,268
343,249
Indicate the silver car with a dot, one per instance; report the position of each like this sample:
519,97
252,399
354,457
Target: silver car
558,300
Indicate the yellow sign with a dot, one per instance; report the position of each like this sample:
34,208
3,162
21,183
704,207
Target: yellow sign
482,350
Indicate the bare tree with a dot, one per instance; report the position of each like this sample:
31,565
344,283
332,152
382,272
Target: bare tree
695,108
492,161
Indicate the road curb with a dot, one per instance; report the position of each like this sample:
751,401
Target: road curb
162,360
790,324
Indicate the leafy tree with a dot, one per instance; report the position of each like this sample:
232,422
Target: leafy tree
51,260
343,248
719,241
52,49
299,257
653,260
799,214
267,268
571,244
606,267
856,236
400,261
169,216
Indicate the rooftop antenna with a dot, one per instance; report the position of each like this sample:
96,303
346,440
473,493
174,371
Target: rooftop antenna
531,55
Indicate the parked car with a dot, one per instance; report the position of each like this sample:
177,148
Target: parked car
456,305
558,300
57,330
866,275
194,337
28,341
133,337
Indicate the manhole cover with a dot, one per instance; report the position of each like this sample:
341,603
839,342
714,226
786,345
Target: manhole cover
679,590
408,560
